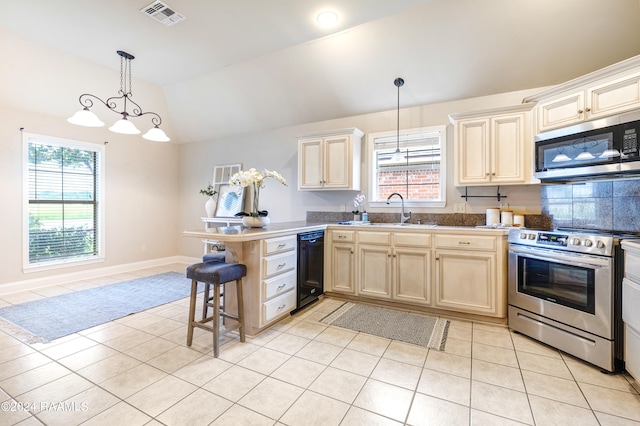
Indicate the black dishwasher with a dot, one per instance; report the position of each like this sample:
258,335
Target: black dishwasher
310,268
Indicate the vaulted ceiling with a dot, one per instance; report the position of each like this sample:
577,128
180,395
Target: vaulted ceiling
235,66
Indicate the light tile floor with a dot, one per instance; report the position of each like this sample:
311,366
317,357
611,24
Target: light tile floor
137,370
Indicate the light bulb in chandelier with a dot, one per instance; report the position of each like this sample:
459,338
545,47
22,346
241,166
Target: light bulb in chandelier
156,134
124,127
85,117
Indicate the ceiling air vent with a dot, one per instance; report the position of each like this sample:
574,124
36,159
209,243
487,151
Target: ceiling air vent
163,13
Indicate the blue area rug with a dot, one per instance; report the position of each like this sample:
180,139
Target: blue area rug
59,316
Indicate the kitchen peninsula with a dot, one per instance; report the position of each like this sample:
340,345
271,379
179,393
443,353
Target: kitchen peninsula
456,270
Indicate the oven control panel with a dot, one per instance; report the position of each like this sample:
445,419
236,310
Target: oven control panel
577,242
548,239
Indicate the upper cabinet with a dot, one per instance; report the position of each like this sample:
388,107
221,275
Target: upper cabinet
330,160
493,147
611,90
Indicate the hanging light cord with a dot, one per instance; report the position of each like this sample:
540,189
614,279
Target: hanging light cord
399,82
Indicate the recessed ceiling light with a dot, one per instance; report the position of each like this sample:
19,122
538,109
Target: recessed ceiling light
327,18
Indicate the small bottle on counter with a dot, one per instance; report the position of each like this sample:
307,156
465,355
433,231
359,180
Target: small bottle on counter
365,216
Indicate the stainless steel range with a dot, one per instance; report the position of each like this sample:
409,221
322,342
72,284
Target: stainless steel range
564,290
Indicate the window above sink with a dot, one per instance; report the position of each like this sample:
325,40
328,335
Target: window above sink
420,177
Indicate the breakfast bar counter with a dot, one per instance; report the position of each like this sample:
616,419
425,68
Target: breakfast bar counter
271,256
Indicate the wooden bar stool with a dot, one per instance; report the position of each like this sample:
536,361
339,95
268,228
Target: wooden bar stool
215,274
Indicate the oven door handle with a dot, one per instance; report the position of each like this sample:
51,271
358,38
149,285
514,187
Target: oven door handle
565,258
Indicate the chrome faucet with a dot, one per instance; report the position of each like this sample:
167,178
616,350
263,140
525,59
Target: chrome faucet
403,218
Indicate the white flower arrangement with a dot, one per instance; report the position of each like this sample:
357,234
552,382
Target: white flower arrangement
357,202
256,180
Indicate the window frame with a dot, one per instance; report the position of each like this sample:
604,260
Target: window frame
27,266
372,173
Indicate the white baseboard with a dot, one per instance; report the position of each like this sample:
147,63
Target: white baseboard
26,285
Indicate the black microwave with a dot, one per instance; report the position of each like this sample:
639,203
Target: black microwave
605,148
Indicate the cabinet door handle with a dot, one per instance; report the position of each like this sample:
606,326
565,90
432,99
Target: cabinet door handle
464,243
580,111
282,265
281,307
282,245
493,174
437,258
281,286
588,109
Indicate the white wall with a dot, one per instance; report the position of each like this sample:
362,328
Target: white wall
40,89
152,189
277,150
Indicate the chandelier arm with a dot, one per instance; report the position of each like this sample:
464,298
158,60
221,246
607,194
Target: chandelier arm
85,100
112,104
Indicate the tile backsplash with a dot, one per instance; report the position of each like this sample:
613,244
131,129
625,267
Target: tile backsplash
605,205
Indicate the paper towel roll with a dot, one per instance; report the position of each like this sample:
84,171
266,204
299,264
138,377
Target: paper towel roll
506,218
493,217
518,220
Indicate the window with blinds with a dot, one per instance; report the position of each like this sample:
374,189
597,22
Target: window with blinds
417,171
63,191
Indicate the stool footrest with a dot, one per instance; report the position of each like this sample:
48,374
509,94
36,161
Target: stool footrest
226,330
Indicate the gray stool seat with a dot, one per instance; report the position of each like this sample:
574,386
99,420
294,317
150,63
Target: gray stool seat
215,274
214,257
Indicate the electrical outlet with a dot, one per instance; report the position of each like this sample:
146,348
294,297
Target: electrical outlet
459,207
343,207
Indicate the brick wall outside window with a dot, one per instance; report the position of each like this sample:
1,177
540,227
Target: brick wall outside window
423,184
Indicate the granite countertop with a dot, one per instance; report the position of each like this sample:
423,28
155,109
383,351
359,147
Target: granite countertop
238,233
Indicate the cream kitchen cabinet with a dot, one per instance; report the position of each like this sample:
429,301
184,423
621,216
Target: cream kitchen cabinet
493,147
470,274
330,160
395,266
412,272
340,264
608,91
374,264
611,97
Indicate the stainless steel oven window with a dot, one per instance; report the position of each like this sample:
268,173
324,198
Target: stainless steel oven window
567,285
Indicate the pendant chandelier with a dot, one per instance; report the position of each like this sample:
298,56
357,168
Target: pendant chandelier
85,117
398,156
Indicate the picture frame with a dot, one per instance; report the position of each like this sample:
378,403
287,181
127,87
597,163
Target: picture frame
230,200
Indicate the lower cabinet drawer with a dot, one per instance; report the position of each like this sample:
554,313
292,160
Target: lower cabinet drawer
278,285
632,264
632,352
630,303
279,306
278,264
466,242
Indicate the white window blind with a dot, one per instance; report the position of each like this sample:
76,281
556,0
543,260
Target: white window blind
63,190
